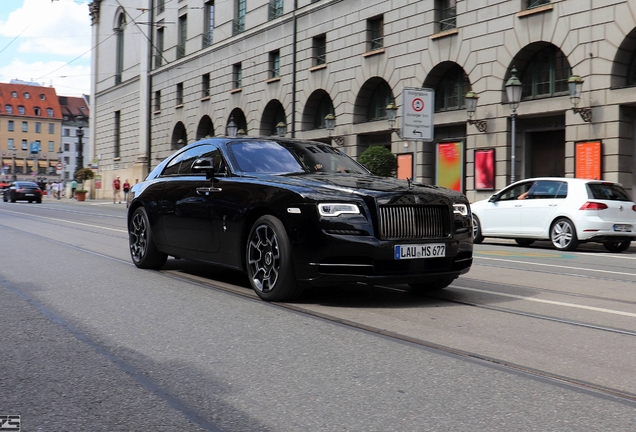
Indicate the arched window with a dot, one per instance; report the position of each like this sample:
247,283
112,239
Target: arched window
546,75
381,97
449,93
21,109
8,108
119,66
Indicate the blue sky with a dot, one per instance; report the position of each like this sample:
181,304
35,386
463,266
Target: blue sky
48,42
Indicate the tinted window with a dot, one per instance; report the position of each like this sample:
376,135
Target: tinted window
182,163
324,158
263,157
607,191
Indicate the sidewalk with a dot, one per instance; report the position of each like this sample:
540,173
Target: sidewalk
66,199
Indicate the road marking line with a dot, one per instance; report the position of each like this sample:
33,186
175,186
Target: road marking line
552,302
557,266
67,221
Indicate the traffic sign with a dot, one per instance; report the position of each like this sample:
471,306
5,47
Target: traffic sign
59,166
417,115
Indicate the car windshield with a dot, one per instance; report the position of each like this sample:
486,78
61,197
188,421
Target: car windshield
608,191
269,157
26,185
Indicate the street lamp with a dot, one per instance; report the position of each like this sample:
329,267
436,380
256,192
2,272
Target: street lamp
575,85
513,90
330,125
57,188
232,128
281,129
471,105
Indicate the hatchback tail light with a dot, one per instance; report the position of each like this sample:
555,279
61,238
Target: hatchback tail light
591,205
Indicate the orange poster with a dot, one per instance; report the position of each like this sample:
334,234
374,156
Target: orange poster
450,165
588,160
405,166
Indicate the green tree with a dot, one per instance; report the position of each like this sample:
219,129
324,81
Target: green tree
84,174
379,160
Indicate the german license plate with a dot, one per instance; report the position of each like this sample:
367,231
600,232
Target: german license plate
622,227
431,250
28,194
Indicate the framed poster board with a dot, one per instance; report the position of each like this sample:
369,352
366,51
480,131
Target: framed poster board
449,165
405,166
588,155
485,169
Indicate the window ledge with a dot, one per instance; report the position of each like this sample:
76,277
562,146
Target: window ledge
272,80
318,67
117,159
540,9
236,90
205,98
374,52
156,112
179,106
443,34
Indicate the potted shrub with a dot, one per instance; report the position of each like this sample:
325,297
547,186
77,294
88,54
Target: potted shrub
82,175
379,160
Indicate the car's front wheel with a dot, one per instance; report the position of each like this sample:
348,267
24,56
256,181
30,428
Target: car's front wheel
143,251
432,285
617,246
269,261
563,235
477,237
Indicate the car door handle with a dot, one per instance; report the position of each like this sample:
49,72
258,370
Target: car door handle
552,205
207,190
518,205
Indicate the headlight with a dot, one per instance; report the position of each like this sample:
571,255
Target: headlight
336,209
461,209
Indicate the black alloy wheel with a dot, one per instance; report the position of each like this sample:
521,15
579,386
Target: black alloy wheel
269,261
617,246
563,235
143,251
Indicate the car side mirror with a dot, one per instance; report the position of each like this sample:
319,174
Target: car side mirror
204,166
492,198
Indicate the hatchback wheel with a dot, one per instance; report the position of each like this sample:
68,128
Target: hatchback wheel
269,261
477,237
143,251
563,235
617,246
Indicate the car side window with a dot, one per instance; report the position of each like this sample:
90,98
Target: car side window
182,163
544,189
517,192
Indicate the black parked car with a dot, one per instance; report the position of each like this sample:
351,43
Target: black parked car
23,191
294,213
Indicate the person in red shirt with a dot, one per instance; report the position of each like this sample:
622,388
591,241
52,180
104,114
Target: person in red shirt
126,188
116,190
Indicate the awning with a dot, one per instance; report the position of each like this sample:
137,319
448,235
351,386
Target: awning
42,164
53,163
7,162
19,162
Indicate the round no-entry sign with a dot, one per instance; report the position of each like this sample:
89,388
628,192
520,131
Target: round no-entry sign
59,166
418,104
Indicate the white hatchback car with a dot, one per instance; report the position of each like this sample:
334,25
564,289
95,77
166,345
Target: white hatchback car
566,211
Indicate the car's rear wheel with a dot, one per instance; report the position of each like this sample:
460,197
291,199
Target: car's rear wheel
524,242
617,246
477,237
269,261
563,235
143,251
432,285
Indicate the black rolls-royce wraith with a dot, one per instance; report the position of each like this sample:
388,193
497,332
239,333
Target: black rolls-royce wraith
293,213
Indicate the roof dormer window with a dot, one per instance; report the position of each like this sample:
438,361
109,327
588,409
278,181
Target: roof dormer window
21,109
49,112
14,94
37,111
27,95
8,108
42,97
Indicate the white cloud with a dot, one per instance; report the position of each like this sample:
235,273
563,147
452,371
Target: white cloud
52,45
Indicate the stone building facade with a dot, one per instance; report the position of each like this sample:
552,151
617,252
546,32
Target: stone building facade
174,71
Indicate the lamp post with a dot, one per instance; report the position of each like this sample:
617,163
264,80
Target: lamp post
80,144
13,167
57,187
513,90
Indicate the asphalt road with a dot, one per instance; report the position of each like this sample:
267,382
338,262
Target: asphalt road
530,339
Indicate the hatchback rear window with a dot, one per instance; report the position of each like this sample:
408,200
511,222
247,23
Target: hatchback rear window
609,191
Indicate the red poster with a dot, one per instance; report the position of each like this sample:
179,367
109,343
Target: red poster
405,166
588,160
485,169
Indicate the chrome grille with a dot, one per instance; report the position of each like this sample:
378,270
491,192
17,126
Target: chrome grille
413,222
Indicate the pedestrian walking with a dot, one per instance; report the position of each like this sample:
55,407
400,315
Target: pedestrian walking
73,188
116,190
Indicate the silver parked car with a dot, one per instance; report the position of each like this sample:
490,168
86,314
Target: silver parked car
566,211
